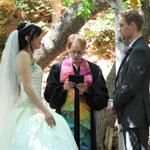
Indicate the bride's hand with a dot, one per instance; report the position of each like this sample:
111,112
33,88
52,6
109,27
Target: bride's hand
49,119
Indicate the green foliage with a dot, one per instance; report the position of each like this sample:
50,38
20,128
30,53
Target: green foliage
127,5
86,9
104,24
101,31
34,8
28,5
22,5
68,3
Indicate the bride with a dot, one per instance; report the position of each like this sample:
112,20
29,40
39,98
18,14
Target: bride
25,123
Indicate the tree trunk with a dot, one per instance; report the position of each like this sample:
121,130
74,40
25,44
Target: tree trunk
56,6
103,118
55,40
146,9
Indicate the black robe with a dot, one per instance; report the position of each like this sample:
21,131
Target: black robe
96,95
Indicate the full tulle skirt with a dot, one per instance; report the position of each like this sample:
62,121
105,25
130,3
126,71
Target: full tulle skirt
26,129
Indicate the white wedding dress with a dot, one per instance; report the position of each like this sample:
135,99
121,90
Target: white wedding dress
26,128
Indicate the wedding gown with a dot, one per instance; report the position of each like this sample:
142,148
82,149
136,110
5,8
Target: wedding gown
26,128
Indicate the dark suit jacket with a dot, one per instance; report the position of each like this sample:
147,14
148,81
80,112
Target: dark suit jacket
131,96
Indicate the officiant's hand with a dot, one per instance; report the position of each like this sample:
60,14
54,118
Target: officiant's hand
68,84
82,87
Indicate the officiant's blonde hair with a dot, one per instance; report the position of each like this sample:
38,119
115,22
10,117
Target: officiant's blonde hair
76,39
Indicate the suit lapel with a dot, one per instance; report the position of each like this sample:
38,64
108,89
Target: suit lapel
124,59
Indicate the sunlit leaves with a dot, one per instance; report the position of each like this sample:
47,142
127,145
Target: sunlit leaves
101,31
6,11
131,4
35,10
85,10
134,3
68,3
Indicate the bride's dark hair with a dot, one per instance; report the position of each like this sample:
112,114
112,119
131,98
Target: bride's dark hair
30,30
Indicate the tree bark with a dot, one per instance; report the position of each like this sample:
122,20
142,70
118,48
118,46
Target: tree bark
146,9
56,6
55,40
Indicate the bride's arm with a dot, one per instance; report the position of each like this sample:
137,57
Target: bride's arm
24,70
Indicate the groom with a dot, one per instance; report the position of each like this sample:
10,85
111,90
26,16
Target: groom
131,96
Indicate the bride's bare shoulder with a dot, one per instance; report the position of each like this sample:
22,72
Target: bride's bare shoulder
23,57
23,53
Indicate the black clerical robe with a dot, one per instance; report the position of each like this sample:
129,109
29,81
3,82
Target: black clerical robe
96,95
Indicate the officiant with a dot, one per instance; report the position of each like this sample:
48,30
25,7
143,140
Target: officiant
76,102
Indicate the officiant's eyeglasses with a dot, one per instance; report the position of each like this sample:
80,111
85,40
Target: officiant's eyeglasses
76,52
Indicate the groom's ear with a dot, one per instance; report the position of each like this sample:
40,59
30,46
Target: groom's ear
27,38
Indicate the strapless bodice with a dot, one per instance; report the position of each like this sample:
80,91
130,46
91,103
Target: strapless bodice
36,81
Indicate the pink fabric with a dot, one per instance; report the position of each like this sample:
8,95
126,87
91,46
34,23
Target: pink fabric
67,69
125,50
